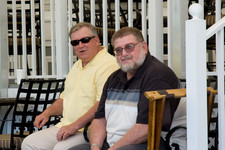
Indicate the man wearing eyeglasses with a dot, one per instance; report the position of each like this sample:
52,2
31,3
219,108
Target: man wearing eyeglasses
121,121
79,100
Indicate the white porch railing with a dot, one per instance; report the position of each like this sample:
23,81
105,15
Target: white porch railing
43,35
196,75
50,54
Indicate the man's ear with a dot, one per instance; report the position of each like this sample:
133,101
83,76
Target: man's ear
97,39
145,46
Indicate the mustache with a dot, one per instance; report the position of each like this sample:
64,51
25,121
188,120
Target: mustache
125,57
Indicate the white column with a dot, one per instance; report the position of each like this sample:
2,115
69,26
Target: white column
156,28
4,68
81,10
197,138
105,24
220,87
33,37
70,24
117,15
53,31
201,2
62,48
92,3
143,19
24,37
14,28
130,13
177,15
220,78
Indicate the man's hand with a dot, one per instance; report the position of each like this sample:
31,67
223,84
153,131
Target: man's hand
71,129
65,131
40,120
54,110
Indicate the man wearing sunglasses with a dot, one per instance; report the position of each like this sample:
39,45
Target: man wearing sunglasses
121,121
79,100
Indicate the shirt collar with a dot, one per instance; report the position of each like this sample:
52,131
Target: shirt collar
95,60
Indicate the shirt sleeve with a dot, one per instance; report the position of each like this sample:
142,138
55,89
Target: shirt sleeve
101,107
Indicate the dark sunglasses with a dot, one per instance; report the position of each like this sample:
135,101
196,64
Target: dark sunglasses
128,48
83,40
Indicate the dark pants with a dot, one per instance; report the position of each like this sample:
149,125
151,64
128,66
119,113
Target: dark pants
105,146
87,147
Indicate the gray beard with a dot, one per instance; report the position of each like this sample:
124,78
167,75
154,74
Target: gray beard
132,67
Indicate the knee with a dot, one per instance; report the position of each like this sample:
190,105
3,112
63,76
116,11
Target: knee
30,142
25,144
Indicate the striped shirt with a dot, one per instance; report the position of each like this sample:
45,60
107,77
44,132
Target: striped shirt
123,103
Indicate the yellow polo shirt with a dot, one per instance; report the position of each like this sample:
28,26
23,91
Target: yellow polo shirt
83,86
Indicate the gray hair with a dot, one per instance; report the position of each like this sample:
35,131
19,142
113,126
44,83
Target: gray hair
126,31
79,25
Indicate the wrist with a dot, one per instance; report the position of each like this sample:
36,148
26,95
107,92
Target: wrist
95,146
47,112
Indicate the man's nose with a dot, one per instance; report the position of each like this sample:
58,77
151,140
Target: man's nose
124,52
80,43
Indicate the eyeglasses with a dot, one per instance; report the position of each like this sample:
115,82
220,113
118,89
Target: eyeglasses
128,48
83,40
